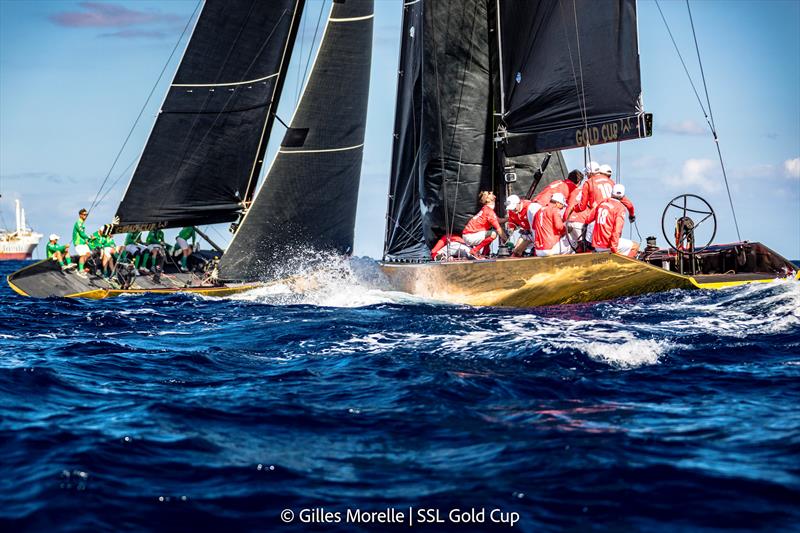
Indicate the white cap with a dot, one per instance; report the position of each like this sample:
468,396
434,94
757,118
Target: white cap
512,202
618,191
591,168
54,237
605,169
558,197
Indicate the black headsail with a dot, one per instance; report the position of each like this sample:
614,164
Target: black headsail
308,199
570,73
447,101
204,154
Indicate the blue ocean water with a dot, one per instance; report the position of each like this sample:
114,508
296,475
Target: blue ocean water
184,413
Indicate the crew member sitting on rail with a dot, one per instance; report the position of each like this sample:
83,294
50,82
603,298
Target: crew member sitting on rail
183,243
110,248
609,219
520,217
156,246
478,231
549,229
450,247
81,241
136,248
102,251
59,252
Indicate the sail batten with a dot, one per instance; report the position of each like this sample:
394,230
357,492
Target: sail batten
203,155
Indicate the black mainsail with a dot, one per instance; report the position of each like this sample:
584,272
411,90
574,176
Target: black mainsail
445,120
308,199
203,157
570,73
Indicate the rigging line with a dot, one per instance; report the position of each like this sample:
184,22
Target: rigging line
685,68
302,43
147,101
713,124
458,114
311,48
439,117
586,154
114,184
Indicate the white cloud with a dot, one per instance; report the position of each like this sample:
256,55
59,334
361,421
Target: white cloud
792,167
685,127
696,174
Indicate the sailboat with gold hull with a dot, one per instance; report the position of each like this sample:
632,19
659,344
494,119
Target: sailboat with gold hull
485,90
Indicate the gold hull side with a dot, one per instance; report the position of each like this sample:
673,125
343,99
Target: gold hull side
531,282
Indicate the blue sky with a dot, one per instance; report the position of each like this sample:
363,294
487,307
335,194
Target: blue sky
73,76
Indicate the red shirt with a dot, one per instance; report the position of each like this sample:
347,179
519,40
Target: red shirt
609,218
519,219
483,221
444,241
576,216
596,189
565,187
549,227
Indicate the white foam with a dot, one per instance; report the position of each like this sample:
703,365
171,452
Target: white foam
629,354
335,282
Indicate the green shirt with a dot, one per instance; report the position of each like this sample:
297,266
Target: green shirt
188,233
134,237
96,240
108,241
79,233
53,248
155,237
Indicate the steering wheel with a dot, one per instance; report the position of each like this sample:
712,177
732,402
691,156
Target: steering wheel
680,207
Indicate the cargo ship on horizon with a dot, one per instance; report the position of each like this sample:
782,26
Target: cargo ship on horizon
18,244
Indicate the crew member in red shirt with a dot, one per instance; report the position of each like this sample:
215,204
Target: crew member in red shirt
450,247
478,231
609,219
550,233
518,220
565,187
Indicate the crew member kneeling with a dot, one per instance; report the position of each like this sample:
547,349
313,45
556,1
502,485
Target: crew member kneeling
609,219
478,231
550,233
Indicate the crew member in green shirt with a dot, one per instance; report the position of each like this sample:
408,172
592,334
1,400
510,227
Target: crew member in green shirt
59,252
183,241
156,246
135,247
103,241
81,241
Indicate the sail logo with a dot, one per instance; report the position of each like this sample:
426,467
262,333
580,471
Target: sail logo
608,132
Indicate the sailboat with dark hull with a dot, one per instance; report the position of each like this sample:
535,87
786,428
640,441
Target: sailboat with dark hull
203,157
485,88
